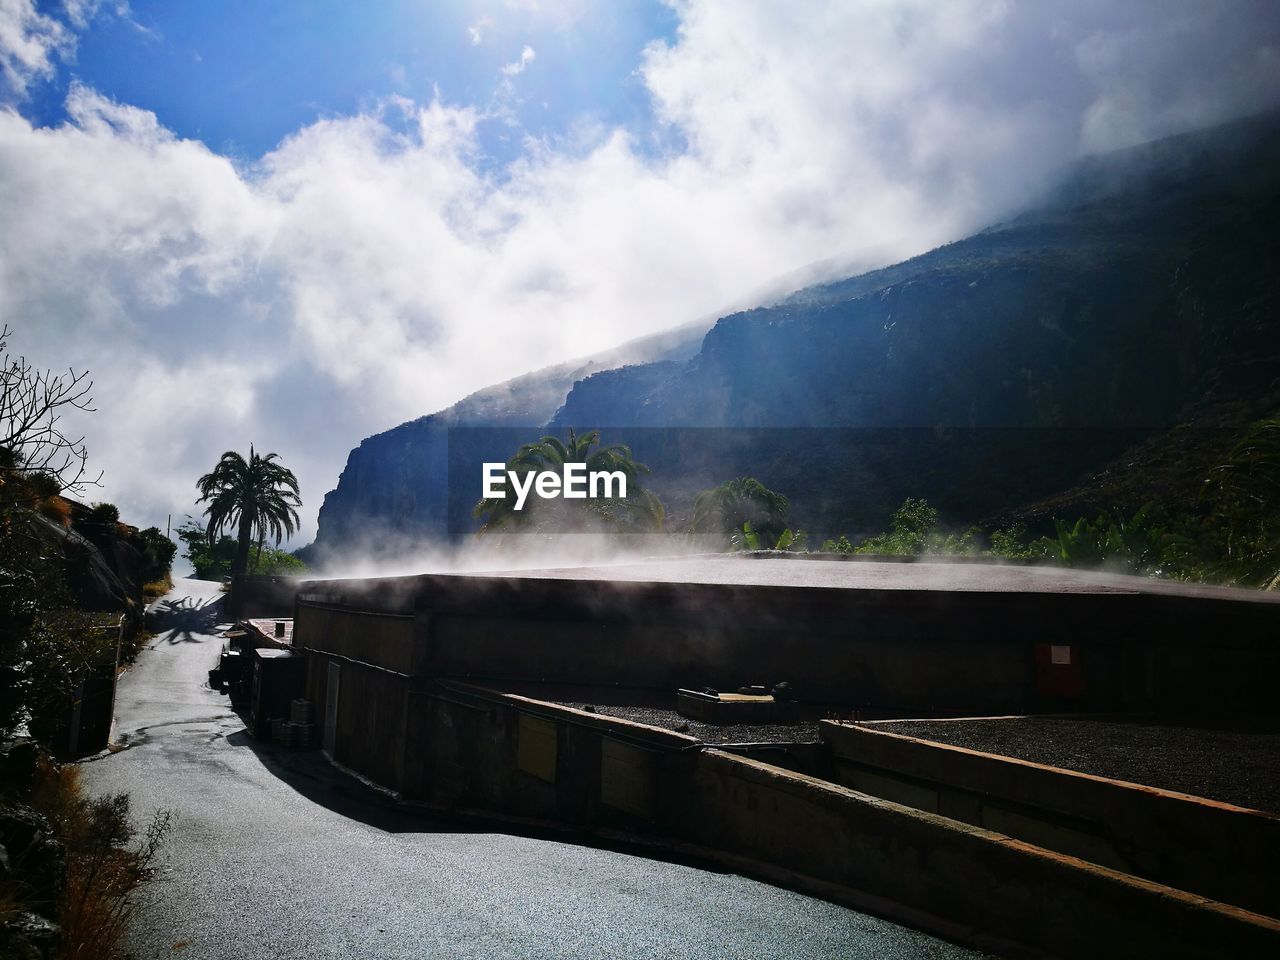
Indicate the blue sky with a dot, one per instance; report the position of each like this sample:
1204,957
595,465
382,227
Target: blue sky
297,224
241,75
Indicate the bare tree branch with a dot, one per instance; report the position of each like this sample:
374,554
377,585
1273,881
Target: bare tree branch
32,438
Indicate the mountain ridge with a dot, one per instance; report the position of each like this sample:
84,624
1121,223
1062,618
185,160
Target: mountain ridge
1137,292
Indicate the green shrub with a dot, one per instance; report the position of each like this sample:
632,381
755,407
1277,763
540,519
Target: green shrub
729,509
793,541
913,530
1011,542
1147,542
157,554
104,513
275,562
211,560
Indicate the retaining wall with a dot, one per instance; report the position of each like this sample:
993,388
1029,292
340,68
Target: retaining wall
480,751
1216,849
258,595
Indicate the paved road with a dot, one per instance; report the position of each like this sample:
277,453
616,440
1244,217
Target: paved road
273,855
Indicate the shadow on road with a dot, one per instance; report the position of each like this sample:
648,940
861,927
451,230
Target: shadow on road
186,620
311,775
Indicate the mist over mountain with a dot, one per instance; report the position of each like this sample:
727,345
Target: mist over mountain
1013,370
392,495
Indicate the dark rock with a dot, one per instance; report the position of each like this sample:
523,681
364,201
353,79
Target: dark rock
35,855
393,489
97,581
29,936
18,764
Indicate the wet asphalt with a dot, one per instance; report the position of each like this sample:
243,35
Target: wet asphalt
273,854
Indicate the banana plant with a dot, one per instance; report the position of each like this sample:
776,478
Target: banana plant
751,539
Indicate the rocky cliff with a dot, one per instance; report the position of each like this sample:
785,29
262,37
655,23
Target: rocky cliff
1140,296
392,493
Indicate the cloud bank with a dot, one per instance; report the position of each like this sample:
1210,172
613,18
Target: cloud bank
373,268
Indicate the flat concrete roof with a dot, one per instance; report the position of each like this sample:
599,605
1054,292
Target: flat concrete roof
858,574
266,626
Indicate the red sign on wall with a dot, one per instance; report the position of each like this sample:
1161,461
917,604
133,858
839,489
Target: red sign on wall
1058,672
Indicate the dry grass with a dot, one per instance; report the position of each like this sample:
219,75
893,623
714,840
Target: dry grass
55,509
11,903
157,588
57,792
132,646
105,868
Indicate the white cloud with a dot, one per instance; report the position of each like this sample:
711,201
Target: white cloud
30,43
527,56
371,269
81,12
478,29
1180,73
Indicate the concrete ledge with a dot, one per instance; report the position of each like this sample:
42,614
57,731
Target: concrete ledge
966,874
504,755
1221,851
605,724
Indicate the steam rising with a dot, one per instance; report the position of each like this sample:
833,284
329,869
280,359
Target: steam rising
380,556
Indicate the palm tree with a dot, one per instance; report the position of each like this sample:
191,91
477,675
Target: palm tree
639,510
257,496
728,508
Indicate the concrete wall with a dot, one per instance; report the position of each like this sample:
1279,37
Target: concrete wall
881,651
1216,849
379,639
78,723
479,751
371,725
261,596
373,654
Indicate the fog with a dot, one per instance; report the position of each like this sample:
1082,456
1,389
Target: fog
509,552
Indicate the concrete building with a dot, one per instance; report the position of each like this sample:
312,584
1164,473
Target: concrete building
457,692
878,638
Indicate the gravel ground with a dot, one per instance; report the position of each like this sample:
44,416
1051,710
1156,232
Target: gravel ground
803,732
1235,765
